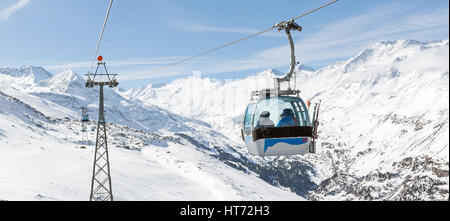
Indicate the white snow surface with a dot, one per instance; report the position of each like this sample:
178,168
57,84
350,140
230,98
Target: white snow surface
383,134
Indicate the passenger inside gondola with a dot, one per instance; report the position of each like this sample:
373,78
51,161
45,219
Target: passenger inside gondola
264,120
287,118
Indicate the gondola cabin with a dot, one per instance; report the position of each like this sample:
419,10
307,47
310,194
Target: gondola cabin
277,124
84,115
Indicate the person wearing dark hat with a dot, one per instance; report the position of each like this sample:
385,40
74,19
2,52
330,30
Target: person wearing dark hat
264,120
287,118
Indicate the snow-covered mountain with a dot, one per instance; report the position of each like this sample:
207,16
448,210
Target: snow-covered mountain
25,76
384,121
36,73
383,134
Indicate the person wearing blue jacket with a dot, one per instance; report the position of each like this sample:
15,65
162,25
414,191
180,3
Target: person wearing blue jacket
287,118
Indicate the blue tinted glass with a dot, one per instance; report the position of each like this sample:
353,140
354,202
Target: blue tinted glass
248,118
283,112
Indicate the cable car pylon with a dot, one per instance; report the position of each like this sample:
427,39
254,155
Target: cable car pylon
101,189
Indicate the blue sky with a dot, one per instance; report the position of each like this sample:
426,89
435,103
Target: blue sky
143,35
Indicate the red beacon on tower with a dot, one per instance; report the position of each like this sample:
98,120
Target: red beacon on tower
100,58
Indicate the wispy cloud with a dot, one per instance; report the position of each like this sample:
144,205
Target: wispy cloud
245,31
140,68
337,40
10,10
343,39
123,62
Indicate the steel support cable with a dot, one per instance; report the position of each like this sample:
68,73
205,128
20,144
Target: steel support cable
307,13
116,21
237,41
101,36
210,51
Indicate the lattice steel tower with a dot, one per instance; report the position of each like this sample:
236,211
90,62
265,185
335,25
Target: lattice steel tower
101,189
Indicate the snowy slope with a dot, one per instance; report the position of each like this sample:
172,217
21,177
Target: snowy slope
25,76
383,134
384,121
155,154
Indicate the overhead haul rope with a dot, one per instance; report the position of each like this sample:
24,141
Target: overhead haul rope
98,46
237,41
115,23
101,36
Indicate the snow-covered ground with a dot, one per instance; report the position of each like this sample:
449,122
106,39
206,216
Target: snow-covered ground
383,134
48,164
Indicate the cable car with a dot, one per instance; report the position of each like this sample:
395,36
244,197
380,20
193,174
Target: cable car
84,119
84,115
277,122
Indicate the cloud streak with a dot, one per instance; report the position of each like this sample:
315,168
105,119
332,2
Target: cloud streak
123,62
345,38
10,10
337,40
245,31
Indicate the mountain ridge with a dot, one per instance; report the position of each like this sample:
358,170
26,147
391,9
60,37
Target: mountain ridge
381,107
383,132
